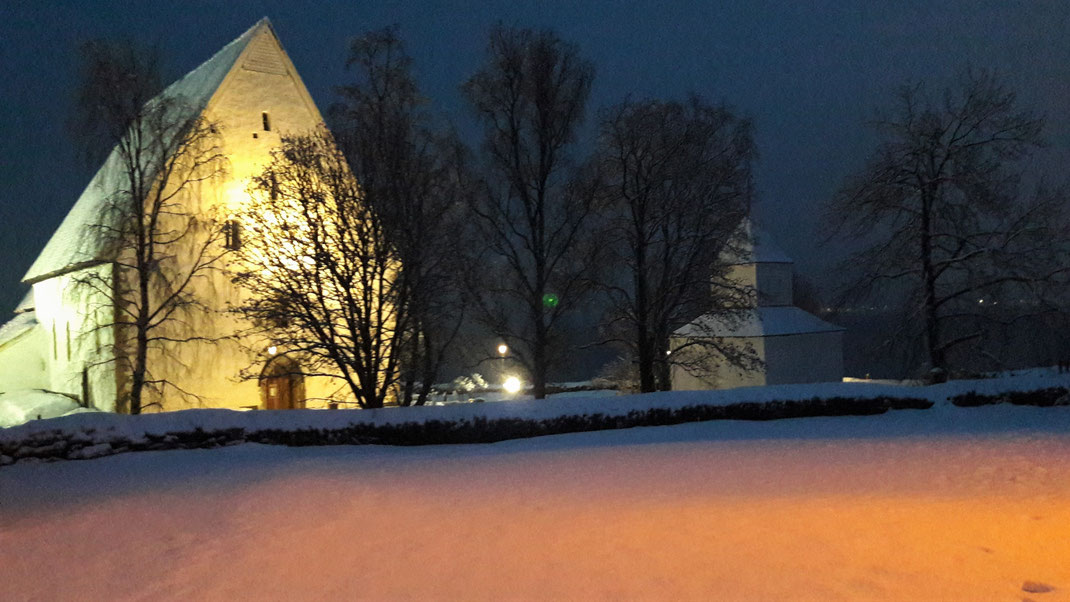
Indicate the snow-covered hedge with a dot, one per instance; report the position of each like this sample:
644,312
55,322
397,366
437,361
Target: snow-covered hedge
1053,396
93,435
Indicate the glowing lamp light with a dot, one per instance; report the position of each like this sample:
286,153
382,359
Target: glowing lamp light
512,385
503,349
272,350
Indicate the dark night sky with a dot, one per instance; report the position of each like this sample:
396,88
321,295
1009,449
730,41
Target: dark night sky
808,73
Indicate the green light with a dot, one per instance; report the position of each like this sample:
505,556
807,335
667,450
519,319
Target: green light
549,300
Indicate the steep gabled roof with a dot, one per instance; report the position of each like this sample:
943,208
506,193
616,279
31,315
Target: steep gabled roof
74,244
17,326
27,303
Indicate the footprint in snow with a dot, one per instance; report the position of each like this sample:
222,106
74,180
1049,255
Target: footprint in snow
1036,587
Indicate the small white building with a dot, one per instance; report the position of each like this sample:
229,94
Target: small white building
793,345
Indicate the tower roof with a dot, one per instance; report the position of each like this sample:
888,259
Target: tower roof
758,322
74,244
755,247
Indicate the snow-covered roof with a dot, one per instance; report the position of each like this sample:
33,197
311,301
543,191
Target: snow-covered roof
756,247
74,244
758,322
16,326
26,304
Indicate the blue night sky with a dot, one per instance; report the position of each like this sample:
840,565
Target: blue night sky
808,73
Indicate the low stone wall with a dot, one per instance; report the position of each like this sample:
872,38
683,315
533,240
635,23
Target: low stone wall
63,444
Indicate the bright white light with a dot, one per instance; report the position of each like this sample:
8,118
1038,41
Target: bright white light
272,350
511,385
503,349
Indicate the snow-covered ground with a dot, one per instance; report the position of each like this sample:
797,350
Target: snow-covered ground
18,407
943,504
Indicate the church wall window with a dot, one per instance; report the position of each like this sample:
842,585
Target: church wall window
67,338
232,234
266,121
55,346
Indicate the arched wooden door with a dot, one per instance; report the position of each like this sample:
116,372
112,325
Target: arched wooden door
282,386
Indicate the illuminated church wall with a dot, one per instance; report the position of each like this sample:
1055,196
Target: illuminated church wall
252,92
261,99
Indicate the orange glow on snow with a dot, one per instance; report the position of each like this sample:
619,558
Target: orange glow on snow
761,520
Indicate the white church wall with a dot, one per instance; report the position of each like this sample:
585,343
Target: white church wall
22,362
715,372
744,275
804,358
771,283
223,373
75,347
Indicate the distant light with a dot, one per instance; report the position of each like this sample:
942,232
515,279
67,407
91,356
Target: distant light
272,350
512,385
503,349
550,300
980,300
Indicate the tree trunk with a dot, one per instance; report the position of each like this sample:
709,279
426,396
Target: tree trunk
662,366
645,358
430,368
410,371
929,309
538,376
137,379
646,346
141,338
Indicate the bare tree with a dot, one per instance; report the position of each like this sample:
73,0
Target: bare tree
947,218
530,95
322,269
677,183
414,180
153,229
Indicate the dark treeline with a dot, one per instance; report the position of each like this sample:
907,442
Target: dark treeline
571,252
445,248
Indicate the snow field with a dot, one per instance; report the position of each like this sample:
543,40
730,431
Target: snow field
23,406
946,504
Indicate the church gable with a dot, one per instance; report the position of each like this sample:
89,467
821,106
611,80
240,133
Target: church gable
261,99
264,56
72,245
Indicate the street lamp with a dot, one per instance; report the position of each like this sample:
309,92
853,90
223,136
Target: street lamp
503,349
512,385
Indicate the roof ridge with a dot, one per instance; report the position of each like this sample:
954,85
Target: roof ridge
69,248
191,75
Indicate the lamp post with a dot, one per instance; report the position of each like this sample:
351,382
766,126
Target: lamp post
503,350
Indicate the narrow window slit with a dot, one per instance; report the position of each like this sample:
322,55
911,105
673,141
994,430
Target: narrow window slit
232,235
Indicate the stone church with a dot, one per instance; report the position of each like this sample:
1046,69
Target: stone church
251,90
794,346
